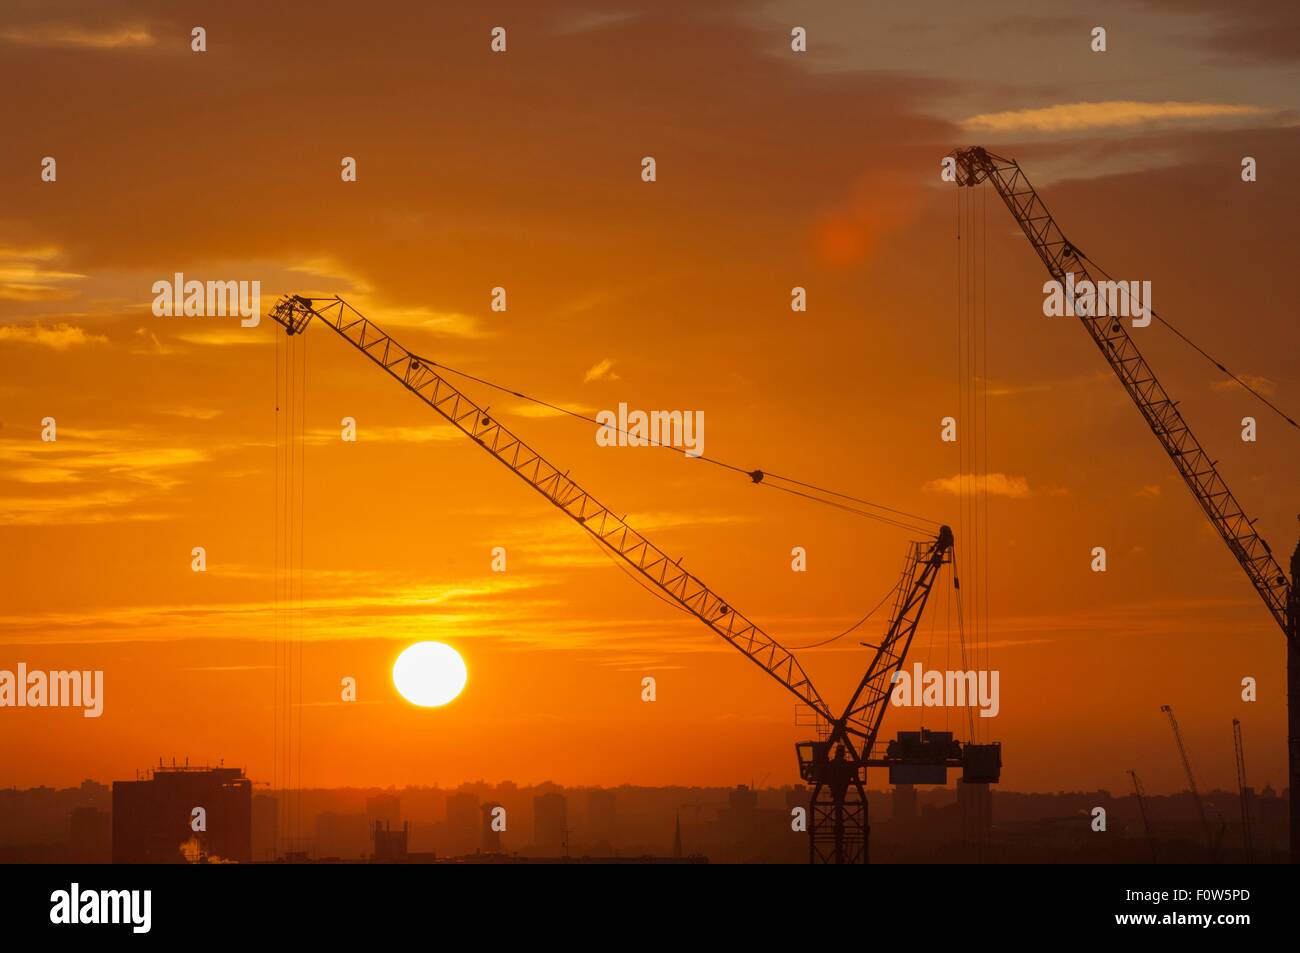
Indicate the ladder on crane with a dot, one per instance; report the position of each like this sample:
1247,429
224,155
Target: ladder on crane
835,764
1063,258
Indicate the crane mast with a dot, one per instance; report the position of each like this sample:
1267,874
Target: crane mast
866,709
1062,258
838,823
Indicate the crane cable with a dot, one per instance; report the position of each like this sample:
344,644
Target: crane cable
678,606
1192,344
288,604
757,476
836,638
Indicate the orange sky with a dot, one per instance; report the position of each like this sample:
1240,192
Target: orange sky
522,170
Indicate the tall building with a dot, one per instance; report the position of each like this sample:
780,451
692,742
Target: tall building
153,818
550,822
463,823
390,845
601,827
266,827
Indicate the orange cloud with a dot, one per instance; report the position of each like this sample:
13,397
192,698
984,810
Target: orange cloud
995,484
58,35
603,371
59,337
1072,117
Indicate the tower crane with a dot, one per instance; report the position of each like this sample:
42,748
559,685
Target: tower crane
1191,778
1142,808
835,765
1063,258
1243,791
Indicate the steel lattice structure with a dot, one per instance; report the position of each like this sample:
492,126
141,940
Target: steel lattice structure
1060,256
419,377
838,809
839,828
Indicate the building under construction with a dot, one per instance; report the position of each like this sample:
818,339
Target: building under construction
154,818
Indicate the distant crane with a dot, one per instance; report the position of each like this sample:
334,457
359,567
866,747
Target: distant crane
1146,820
1070,266
1243,790
835,764
1191,780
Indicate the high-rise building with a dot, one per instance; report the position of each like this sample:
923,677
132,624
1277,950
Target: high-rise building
154,819
550,822
464,823
266,827
390,845
600,816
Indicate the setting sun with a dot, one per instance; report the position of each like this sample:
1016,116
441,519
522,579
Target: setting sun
429,674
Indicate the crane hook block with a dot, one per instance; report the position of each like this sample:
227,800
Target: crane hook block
756,476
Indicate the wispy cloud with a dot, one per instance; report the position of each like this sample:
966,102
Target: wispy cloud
89,476
1074,117
540,411
372,434
60,35
25,275
223,337
81,509
1262,384
603,371
995,484
155,346
192,413
498,605
58,337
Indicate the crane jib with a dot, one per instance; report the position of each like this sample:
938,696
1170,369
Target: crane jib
611,531
1063,258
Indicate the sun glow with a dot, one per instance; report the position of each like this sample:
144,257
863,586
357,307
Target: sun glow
429,674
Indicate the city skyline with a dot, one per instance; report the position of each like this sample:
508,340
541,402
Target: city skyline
524,171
